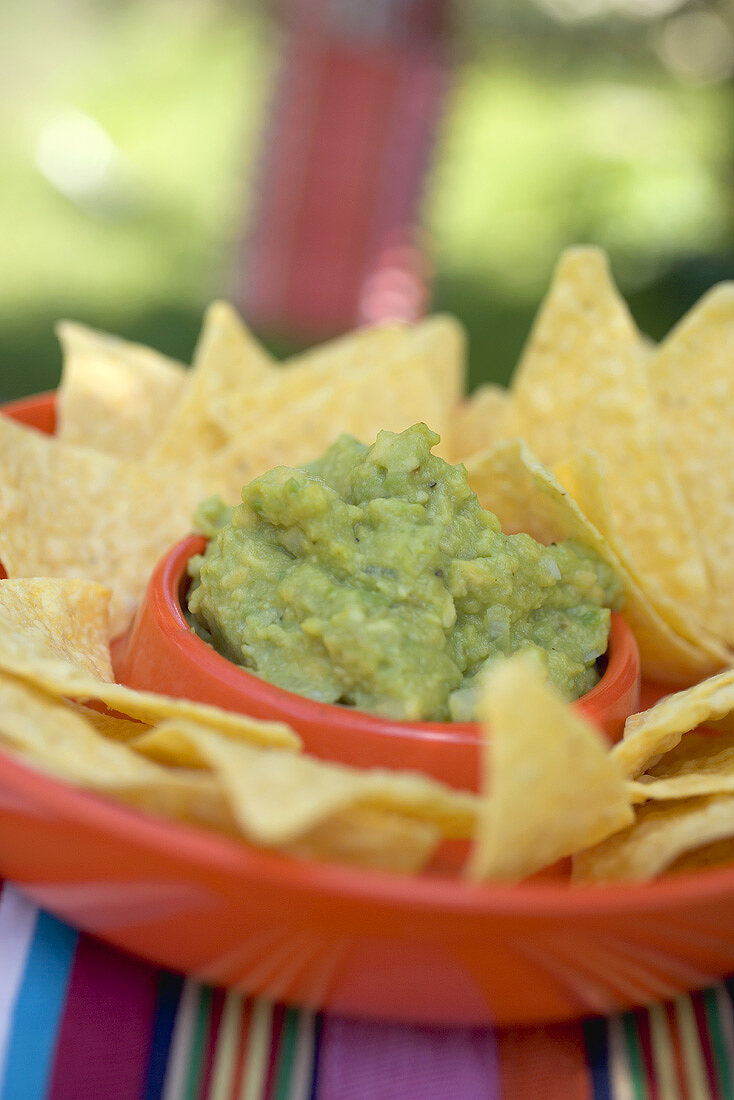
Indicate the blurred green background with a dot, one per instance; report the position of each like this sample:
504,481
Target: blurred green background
603,121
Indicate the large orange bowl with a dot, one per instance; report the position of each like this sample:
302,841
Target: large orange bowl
428,949
161,653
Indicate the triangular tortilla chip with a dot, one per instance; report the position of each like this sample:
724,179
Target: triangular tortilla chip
701,763
60,740
552,788
300,377
47,618
228,360
188,744
44,658
692,376
421,381
479,422
582,383
112,392
526,496
582,474
306,806
662,831
654,732
70,512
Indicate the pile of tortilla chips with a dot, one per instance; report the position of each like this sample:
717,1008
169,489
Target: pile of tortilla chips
602,437
202,765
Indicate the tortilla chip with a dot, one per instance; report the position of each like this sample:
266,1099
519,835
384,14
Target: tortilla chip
551,785
526,496
42,658
654,732
420,382
112,392
282,795
305,807
228,360
662,831
702,763
582,383
302,375
70,512
50,618
107,723
58,739
719,853
582,474
692,377
480,422
370,838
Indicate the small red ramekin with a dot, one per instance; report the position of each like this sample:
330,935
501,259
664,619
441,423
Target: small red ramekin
159,652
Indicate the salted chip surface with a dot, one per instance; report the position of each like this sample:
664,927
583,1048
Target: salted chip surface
421,381
702,763
301,375
551,785
282,794
304,806
654,732
525,496
692,376
698,653
662,831
62,739
228,360
582,383
479,422
46,618
71,512
112,391
373,839
59,739
41,657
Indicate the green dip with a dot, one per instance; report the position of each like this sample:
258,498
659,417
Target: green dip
373,578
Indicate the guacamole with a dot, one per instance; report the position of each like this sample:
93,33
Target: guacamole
374,579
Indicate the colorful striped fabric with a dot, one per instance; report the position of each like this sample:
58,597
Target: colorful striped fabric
81,1021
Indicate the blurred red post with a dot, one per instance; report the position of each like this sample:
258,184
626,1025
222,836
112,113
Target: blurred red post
335,238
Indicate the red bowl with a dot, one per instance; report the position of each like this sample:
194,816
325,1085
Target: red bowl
430,949
160,652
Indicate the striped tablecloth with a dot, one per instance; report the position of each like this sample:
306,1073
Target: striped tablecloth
82,1021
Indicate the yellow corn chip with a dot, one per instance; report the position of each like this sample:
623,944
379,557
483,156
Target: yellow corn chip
71,512
227,361
702,763
692,376
582,383
654,732
112,392
315,809
582,474
108,724
60,740
50,618
479,422
302,375
307,789
553,787
717,854
43,658
510,482
370,838
662,831
421,381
